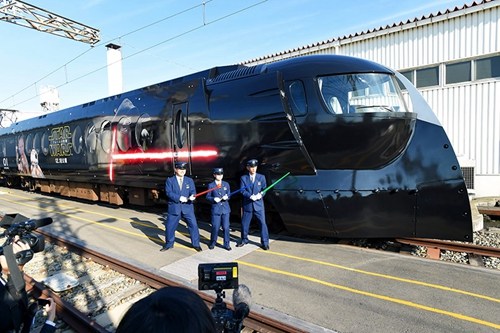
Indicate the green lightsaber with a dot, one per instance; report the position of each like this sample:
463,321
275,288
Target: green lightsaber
276,182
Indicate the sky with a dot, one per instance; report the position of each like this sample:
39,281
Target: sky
164,39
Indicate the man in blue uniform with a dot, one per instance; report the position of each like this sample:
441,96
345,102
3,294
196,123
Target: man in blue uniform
253,205
220,208
181,193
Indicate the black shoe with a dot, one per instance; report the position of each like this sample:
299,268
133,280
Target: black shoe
198,249
240,244
229,248
211,247
265,247
165,248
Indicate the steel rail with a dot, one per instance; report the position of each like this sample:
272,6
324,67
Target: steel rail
254,321
452,246
77,320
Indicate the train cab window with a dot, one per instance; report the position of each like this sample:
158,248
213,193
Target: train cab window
144,131
45,142
123,134
106,136
298,98
361,93
77,140
91,138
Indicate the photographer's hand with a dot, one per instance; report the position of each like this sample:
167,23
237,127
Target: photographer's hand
51,310
18,245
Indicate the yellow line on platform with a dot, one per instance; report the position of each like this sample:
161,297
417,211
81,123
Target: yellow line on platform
92,212
365,293
390,277
91,221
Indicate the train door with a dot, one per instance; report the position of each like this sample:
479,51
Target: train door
180,140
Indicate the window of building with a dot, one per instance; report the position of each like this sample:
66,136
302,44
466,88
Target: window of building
427,77
488,68
458,72
407,74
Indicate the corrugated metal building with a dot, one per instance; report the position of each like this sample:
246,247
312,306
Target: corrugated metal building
453,58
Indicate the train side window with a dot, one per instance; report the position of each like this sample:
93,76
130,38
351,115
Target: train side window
91,138
298,98
28,144
45,142
4,148
123,135
106,136
144,131
37,142
11,147
180,129
77,140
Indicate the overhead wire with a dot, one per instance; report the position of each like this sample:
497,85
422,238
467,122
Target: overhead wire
133,54
100,44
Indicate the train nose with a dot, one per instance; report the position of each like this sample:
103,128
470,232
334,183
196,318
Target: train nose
360,141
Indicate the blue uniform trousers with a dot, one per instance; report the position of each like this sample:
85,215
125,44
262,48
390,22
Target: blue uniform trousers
245,226
173,223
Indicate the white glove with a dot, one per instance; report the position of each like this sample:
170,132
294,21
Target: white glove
183,199
217,199
252,197
225,197
258,196
192,197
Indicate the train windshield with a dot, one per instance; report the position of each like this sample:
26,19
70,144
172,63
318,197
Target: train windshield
361,93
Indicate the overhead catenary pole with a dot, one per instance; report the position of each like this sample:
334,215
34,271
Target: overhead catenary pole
29,16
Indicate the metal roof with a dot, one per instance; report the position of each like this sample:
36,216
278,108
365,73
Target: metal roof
410,23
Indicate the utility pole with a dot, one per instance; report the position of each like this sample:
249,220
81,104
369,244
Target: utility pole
26,15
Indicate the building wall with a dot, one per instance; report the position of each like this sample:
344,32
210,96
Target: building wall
469,111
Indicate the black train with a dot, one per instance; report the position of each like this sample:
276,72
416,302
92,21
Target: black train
363,162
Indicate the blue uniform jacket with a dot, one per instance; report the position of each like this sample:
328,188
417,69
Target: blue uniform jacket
223,206
175,207
258,185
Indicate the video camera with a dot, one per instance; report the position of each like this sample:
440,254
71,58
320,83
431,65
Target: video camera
19,225
220,276
21,305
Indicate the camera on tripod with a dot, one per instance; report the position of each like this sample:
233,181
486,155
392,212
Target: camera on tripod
220,276
19,225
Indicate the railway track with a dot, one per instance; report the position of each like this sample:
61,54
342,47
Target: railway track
476,255
106,285
435,246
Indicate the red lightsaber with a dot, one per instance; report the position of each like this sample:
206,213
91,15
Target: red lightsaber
207,191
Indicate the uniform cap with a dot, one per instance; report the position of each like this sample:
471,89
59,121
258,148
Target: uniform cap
180,165
252,162
218,171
